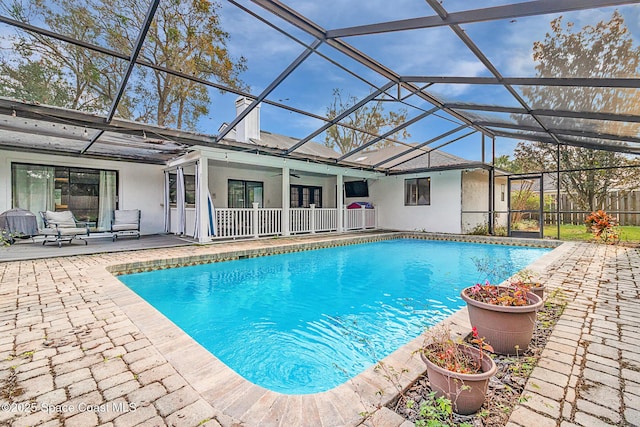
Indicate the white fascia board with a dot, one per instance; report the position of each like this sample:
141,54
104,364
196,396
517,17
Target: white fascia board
280,162
190,157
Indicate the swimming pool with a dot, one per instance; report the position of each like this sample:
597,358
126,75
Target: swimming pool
306,322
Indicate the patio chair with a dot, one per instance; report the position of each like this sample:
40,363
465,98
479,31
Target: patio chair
125,223
62,227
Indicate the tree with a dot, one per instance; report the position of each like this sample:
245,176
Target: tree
604,50
184,36
39,82
76,69
588,179
363,125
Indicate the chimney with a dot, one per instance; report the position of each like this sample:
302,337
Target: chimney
249,127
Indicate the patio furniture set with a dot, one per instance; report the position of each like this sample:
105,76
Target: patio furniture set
60,227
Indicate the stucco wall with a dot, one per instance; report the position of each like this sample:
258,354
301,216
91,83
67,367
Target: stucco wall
442,215
220,174
475,197
140,185
501,202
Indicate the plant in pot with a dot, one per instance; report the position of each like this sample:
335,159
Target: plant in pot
457,371
504,315
527,279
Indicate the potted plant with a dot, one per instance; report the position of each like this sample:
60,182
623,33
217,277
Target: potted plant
504,315
457,371
527,279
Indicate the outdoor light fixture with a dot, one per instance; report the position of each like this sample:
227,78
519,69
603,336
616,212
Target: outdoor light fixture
85,133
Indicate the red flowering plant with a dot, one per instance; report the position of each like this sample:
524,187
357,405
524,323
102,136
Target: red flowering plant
512,296
603,226
449,354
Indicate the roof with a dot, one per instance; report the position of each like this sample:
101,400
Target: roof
311,149
406,158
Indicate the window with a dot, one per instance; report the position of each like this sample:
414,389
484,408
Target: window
189,189
91,194
242,194
417,191
302,196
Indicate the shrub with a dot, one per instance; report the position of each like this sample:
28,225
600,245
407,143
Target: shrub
603,226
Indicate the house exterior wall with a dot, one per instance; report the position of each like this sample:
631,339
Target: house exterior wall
475,197
501,202
220,174
442,215
141,186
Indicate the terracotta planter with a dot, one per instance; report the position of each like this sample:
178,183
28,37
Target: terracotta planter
536,288
467,392
507,329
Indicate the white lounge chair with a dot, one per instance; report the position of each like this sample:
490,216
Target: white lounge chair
62,227
125,223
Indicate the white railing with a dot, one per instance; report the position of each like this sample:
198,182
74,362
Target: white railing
234,222
300,220
352,219
359,219
269,221
312,219
370,219
256,222
326,219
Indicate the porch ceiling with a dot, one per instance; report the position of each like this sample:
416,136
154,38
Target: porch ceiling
34,126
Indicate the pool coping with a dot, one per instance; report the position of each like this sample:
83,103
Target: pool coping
250,404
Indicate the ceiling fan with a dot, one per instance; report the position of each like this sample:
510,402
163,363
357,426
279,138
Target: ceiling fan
290,174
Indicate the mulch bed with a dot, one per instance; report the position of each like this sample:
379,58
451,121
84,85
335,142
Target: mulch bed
505,388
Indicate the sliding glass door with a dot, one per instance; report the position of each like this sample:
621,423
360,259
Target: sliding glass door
91,194
242,194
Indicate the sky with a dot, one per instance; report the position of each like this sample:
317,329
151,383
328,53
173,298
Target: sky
428,52
431,52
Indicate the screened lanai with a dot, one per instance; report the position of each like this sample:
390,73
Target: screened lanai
468,82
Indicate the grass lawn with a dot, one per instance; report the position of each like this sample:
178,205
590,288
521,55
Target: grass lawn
628,233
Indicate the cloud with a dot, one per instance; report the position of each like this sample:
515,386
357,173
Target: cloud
434,51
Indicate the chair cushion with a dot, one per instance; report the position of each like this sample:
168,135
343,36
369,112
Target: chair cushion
62,219
72,231
130,216
122,227
49,232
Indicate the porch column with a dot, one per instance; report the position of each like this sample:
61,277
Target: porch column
255,220
203,205
286,200
312,218
339,199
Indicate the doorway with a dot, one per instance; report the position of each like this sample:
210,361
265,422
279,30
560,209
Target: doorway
526,205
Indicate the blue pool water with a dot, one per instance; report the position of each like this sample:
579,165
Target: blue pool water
306,322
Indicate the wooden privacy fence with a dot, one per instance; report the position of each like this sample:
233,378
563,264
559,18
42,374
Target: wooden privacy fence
624,205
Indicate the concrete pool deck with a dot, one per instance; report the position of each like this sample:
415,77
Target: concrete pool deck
77,347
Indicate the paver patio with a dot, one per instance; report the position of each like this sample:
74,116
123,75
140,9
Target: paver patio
79,348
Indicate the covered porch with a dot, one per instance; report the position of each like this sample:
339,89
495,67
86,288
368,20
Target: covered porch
280,197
